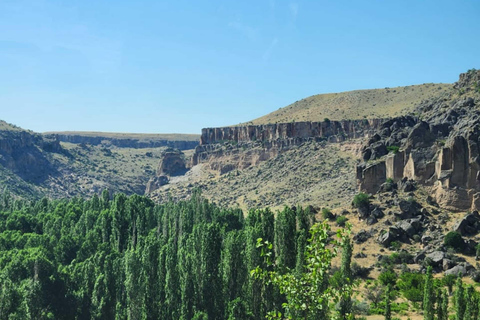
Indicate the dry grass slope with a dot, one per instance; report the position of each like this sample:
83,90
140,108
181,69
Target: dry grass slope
358,104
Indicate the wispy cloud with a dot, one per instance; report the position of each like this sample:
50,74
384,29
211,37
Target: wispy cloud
293,6
245,30
268,52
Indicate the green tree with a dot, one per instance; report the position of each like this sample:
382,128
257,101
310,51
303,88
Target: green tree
346,272
428,296
459,300
307,297
388,303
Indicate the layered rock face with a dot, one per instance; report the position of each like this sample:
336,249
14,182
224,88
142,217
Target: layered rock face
229,148
440,149
333,131
126,142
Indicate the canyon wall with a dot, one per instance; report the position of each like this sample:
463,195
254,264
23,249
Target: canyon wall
126,142
228,148
332,131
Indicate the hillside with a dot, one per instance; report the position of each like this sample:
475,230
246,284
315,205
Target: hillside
34,165
358,104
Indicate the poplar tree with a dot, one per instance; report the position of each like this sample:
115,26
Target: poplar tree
445,305
388,306
428,296
346,272
459,300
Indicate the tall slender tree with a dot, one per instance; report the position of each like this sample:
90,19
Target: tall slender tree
388,303
459,300
428,296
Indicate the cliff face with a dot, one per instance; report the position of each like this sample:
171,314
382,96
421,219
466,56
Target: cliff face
333,131
136,143
441,150
229,148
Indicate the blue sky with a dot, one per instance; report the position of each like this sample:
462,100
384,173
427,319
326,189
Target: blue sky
178,66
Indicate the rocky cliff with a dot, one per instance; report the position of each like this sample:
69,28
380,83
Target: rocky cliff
438,146
229,148
332,131
24,153
126,142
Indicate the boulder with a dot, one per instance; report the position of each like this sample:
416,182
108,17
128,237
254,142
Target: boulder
469,225
456,270
155,183
361,236
407,227
393,234
436,258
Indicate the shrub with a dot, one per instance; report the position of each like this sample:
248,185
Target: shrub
395,245
341,221
411,286
361,200
327,214
454,240
388,277
393,149
358,271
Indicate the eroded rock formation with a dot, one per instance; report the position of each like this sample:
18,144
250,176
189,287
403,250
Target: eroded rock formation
332,131
439,148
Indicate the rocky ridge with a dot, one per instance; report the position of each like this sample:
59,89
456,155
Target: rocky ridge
137,141
437,146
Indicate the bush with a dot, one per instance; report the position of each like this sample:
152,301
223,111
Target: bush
361,200
411,286
358,271
327,214
341,221
454,240
393,149
388,277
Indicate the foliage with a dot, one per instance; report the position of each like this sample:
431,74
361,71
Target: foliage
460,304
428,296
393,149
388,277
361,200
411,285
307,296
454,240
341,221
327,214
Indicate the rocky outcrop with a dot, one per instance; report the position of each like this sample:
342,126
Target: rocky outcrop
172,163
24,153
155,183
440,150
126,142
332,131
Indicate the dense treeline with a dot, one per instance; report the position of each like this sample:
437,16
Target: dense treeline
127,258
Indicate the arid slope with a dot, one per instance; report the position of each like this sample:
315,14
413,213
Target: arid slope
358,104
